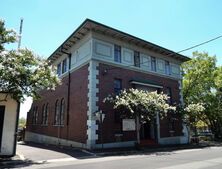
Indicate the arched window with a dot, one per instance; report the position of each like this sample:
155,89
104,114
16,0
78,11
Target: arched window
62,111
45,114
35,115
57,113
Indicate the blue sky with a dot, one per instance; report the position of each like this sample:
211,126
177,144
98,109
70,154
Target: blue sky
169,23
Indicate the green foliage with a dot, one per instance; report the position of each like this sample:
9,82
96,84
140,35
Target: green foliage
6,35
193,112
21,71
146,105
22,122
202,83
199,77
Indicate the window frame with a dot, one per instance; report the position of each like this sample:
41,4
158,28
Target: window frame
169,94
117,90
59,69
117,53
57,113
167,68
153,63
64,66
45,114
62,111
35,115
136,59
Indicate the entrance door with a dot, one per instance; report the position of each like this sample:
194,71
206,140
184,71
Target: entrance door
2,114
145,131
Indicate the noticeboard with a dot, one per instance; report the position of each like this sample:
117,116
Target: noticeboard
129,125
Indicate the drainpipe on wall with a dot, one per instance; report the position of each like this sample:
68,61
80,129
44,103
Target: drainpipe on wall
68,90
16,128
68,95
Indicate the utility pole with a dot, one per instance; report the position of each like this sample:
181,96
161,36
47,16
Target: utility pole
20,33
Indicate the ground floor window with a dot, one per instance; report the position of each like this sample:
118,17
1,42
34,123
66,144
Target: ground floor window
59,112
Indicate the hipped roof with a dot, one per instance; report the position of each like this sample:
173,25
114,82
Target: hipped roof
89,24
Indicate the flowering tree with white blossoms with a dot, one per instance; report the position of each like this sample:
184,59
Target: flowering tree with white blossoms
193,113
22,73
140,105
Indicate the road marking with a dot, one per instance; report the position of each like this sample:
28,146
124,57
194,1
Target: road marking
197,164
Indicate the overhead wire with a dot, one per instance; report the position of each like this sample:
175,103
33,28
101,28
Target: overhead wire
173,53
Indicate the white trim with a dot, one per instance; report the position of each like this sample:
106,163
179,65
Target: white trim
40,138
146,84
92,101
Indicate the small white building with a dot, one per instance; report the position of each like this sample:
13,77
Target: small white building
9,115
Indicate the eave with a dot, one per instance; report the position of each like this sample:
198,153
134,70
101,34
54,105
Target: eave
90,25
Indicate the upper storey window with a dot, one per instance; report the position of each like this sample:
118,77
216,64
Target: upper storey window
59,69
136,59
169,94
153,64
167,67
117,86
64,65
117,53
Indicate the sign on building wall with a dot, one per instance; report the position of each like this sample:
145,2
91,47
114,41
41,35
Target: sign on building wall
129,125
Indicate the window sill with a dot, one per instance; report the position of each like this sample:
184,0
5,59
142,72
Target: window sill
58,125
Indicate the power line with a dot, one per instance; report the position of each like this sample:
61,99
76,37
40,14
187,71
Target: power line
186,49
200,44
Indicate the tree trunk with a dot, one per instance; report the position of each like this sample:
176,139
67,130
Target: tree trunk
137,129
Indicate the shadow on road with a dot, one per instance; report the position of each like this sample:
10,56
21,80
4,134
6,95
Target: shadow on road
70,151
9,163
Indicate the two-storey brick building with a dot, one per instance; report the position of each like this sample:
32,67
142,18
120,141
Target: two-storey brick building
97,60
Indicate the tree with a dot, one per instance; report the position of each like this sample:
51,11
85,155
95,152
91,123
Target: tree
22,122
140,105
202,83
21,71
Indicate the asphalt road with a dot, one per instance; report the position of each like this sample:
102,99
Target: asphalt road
184,159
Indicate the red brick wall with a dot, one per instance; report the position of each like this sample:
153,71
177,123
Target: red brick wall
78,105
106,86
76,131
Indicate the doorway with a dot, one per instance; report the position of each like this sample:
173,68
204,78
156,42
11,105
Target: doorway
145,131
2,114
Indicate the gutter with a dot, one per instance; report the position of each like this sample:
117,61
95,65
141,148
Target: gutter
68,90
68,95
